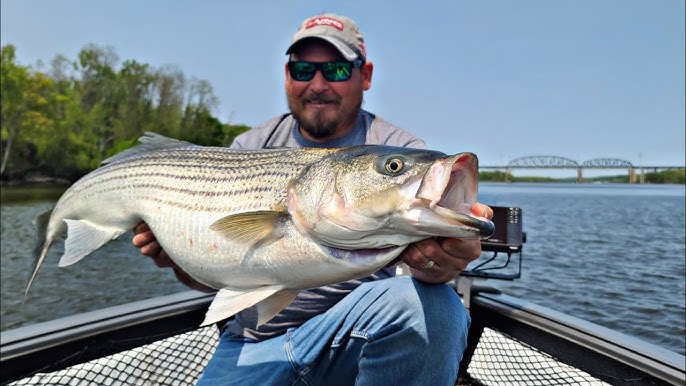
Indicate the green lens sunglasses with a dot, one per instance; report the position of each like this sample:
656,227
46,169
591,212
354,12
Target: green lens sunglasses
332,71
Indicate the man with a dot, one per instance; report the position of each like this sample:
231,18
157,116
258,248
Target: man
400,330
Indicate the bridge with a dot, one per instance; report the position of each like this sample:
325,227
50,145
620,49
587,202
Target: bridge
556,162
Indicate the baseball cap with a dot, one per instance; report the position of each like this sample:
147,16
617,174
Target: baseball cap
340,31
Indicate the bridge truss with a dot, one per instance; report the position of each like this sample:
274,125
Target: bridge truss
542,162
607,163
556,162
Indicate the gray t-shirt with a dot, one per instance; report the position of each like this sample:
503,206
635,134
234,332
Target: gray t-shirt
283,131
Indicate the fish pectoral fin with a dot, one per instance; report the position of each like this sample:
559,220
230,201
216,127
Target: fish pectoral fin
252,227
83,237
230,301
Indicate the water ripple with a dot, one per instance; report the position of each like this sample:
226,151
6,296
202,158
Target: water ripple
611,254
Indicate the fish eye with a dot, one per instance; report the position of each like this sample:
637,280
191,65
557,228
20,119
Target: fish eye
394,165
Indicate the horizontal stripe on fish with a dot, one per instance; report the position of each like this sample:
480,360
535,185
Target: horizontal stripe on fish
168,177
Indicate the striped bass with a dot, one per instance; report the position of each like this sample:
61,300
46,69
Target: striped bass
259,225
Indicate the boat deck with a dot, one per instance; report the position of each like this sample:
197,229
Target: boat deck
157,342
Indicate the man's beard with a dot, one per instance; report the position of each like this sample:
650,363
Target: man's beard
318,127
321,127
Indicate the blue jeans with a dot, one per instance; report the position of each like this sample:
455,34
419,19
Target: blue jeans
395,331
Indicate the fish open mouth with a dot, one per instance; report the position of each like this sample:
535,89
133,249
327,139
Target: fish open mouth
449,189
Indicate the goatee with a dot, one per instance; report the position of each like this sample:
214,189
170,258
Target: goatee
318,127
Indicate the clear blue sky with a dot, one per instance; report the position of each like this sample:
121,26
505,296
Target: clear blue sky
580,79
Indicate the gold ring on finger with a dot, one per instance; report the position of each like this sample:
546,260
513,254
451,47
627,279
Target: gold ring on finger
428,265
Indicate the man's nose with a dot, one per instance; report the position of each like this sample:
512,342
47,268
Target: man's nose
319,83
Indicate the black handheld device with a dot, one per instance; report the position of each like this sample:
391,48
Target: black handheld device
508,236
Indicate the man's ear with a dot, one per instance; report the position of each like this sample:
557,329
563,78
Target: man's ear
367,70
286,76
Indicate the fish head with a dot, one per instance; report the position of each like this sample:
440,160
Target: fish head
381,196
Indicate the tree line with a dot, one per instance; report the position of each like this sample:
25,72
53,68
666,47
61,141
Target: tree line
64,121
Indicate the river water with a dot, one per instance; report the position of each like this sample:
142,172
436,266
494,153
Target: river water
610,254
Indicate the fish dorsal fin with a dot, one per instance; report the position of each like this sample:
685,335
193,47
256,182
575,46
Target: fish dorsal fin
230,301
251,228
83,237
148,142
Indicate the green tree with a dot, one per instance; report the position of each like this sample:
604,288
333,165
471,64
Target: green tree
99,99
23,114
168,101
136,84
65,122
677,176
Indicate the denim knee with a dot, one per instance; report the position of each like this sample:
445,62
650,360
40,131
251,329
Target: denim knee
441,305
414,325
434,311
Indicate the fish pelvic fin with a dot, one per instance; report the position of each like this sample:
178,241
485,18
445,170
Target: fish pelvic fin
40,223
270,300
251,228
269,307
83,237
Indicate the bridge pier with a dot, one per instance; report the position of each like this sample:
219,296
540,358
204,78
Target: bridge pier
579,176
632,176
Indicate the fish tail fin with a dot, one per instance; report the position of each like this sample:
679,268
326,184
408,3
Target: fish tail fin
40,223
83,237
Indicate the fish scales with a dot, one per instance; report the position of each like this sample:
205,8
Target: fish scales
157,195
258,225
189,181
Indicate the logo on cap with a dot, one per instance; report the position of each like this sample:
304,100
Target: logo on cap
325,21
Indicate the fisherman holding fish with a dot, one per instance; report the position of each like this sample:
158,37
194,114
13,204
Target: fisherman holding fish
368,331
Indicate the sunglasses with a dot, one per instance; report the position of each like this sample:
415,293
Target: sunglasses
332,71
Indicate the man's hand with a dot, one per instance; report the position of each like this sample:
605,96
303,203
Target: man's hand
449,256
146,241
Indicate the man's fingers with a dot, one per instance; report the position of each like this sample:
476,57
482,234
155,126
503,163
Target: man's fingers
482,210
152,249
467,250
415,254
140,228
